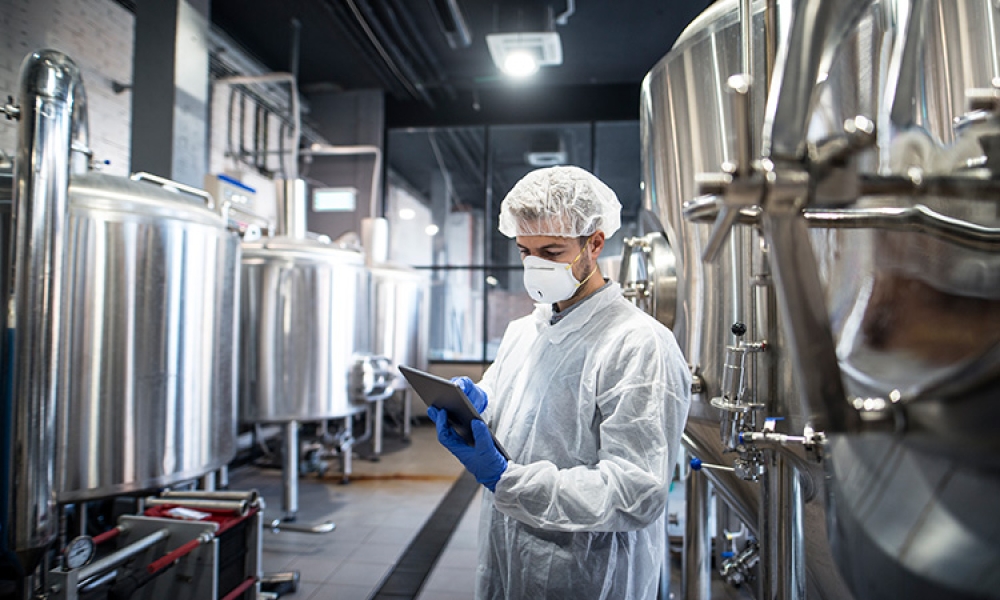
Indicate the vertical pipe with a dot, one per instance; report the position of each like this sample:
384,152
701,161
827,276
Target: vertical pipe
207,482
377,436
290,471
696,581
292,209
49,90
782,541
224,477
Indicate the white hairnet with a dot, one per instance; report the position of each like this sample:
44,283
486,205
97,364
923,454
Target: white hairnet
560,201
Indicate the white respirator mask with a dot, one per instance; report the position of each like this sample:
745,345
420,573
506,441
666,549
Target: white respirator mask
549,281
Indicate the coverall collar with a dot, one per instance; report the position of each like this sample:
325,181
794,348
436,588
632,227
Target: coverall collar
580,314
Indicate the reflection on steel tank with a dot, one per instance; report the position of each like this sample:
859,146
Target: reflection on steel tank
849,286
401,307
148,376
304,318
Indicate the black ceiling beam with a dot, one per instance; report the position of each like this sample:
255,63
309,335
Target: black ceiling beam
520,105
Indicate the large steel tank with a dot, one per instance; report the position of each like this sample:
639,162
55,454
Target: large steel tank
687,126
305,315
903,249
148,370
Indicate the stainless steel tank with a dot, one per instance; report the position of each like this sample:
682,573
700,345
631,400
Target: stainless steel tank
901,246
687,127
148,363
305,319
400,312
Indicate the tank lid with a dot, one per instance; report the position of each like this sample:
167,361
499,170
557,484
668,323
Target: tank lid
304,247
98,191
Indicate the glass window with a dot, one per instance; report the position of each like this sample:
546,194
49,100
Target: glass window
444,191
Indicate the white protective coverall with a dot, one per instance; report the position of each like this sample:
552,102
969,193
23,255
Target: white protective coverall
591,411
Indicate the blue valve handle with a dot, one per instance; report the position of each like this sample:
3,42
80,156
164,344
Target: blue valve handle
695,464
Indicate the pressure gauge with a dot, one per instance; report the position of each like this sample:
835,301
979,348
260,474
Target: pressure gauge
79,551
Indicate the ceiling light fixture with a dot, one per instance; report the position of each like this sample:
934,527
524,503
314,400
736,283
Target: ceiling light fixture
521,54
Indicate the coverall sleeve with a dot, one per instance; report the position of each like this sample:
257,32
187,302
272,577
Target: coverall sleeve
642,417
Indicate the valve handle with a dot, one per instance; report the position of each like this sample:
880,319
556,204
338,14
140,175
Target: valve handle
739,328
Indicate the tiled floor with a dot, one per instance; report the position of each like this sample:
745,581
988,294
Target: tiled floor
377,514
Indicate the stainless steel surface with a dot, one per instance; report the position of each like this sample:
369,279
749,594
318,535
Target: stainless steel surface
305,317
292,203
290,470
147,367
648,275
910,311
239,507
782,542
400,317
123,555
687,126
696,581
50,86
277,526
250,496
899,299
817,29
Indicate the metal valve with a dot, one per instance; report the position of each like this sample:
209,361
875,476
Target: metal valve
11,110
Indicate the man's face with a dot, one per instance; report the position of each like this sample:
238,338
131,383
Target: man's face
561,250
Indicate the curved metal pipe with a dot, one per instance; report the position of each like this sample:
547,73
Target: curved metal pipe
51,119
296,112
323,150
917,218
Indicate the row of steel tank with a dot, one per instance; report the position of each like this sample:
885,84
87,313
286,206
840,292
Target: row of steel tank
840,315
143,329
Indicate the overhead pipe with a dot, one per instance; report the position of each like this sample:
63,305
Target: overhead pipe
327,150
563,17
340,17
407,20
388,51
295,110
452,23
53,123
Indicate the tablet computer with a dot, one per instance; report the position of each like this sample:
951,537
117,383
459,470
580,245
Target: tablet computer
445,395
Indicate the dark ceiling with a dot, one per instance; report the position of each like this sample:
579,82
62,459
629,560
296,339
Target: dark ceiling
402,46
441,91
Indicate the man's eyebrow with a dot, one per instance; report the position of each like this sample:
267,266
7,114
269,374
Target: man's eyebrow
553,245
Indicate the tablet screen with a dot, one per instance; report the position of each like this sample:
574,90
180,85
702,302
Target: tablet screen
445,395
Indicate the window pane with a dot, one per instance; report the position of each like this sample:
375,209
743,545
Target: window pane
456,315
436,198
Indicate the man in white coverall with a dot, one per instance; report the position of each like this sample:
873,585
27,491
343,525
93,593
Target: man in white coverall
589,396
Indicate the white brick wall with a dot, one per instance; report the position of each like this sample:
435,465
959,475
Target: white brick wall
97,35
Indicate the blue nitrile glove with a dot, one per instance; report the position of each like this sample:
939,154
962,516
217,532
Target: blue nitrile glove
482,460
475,393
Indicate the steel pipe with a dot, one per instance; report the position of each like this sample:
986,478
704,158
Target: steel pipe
52,116
239,507
120,556
696,581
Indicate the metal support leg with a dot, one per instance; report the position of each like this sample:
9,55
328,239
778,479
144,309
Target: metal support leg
290,471
224,477
377,416
407,413
347,449
696,581
782,543
207,482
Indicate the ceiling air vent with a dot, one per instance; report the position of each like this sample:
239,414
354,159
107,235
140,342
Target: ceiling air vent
543,47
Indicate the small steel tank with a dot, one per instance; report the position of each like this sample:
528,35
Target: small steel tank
304,320
400,306
147,377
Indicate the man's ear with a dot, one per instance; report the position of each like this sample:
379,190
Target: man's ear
597,244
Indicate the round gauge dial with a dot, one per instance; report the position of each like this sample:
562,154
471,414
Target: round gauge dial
79,551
